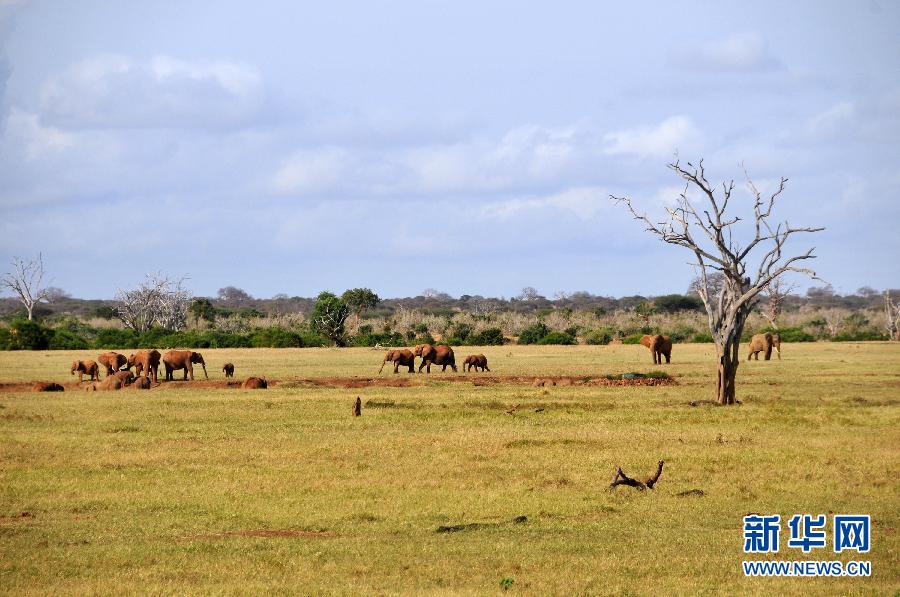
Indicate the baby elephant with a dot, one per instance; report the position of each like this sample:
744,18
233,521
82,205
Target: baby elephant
88,368
126,377
254,383
141,383
47,386
228,368
477,361
109,384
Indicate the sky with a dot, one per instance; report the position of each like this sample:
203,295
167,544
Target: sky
469,147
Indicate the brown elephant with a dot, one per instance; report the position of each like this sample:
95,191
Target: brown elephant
113,361
764,342
476,361
401,357
88,368
141,383
111,383
47,386
174,360
254,383
660,346
145,362
435,355
228,368
126,377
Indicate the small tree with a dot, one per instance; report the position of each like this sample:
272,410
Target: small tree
156,301
360,299
231,296
708,231
328,317
892,315
26,282
776,293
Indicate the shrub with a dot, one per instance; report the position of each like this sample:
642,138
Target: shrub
672,303
533,334
858,336
424,339
792,334
66,340
111,338
487,337
29,335
557,338
632,339
682,333
701,338
371,339
462,331
275,338
600,336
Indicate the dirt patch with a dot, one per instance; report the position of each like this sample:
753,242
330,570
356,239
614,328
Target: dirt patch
382,382
284,533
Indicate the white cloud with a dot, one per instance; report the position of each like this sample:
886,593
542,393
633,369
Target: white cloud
832,119
741,52
112,91
24,129
673,134
307,171
583,202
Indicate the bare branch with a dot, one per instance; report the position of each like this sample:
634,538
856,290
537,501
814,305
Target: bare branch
26,281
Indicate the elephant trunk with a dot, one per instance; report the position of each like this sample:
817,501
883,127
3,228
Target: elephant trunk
203,364
382,366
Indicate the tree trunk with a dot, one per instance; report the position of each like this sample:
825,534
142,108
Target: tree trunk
30,309
729,360
728,364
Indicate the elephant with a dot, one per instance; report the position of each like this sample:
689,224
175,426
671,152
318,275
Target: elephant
88,368
254,383
109,384
47,386
126,377
764,342
113,361
183,359
435,355
660,346
476,361
228,368
141,383
402,357
145,362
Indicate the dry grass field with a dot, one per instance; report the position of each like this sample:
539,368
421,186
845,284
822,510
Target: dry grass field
191,488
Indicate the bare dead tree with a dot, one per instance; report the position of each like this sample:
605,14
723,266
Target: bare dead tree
891,315
158,300
621,478
707,230
26,282
834,320
776,293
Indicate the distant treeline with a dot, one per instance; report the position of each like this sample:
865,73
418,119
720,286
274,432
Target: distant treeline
234,301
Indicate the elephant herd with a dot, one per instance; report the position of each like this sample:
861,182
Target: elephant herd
431,355
146,369
146,363
661,346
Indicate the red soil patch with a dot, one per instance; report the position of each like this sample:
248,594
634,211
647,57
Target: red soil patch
393,381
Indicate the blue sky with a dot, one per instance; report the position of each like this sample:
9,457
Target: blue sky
465,146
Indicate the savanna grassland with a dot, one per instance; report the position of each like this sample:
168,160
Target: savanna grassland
214,490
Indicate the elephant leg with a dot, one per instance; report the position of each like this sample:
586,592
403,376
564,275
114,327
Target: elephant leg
189,370
396,366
